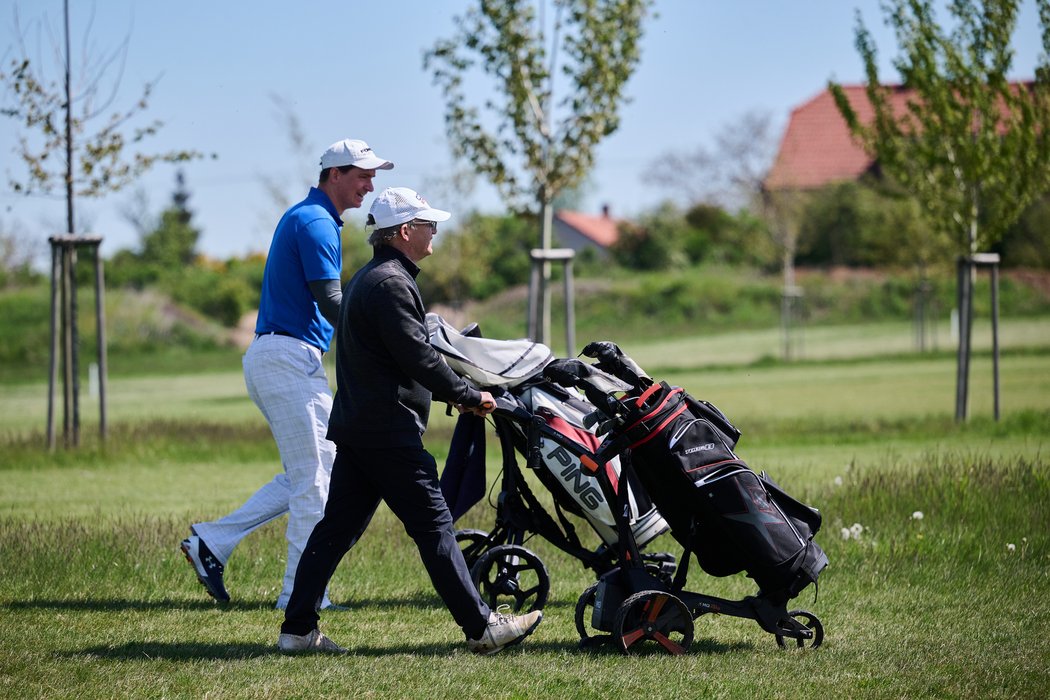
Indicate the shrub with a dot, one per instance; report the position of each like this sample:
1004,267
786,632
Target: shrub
217,294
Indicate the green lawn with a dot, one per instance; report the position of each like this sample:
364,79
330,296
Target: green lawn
867,371
832,342
99,603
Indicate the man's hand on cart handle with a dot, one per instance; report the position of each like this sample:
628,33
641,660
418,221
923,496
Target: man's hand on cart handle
487,406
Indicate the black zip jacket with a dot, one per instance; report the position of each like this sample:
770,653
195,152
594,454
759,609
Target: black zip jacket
385,368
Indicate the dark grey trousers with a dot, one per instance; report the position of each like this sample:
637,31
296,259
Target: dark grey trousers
406,478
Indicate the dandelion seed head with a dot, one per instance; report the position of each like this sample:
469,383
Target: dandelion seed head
1011,547
917,515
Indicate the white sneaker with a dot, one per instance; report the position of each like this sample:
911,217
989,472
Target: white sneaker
313,641
504,631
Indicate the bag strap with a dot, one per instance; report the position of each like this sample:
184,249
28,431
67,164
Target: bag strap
682,571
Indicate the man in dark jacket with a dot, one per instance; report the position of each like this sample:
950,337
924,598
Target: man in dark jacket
386,376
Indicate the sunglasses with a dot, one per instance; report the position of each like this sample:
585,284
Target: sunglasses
432,225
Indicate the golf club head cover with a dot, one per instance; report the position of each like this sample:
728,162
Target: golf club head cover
612,360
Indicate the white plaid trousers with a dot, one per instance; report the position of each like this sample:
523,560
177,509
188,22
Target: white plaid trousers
286,380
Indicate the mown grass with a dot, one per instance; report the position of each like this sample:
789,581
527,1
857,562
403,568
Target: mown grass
102,605
98,602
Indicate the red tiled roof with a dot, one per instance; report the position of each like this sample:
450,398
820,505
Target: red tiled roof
601,228
818,148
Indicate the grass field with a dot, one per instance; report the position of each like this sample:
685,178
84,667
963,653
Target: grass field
99,603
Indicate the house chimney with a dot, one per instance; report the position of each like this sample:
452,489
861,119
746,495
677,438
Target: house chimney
605,211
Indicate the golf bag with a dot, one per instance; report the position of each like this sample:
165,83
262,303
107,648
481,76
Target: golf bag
513,370
681,448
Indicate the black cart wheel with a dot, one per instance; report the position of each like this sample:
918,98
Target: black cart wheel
653,616
804,626
584,613
473,543
512,575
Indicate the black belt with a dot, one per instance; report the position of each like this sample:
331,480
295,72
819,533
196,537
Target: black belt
286,334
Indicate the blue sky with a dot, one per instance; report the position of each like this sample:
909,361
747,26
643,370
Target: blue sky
354,69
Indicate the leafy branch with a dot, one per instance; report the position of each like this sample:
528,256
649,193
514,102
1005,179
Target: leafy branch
528,145
58,147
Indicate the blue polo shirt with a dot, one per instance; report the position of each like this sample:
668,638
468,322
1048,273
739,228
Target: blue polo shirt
306,247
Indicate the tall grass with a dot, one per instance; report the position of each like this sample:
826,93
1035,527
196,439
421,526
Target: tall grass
102,605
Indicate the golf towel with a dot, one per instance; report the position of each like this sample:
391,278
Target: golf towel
463,480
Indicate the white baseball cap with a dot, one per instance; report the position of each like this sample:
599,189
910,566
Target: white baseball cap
353,152
399,205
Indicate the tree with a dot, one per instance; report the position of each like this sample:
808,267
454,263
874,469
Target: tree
864,224
727,239
1027,243
93,163
168,243
972,147
531,146
782,210
655,242
167,259
729,173
173,243
734,173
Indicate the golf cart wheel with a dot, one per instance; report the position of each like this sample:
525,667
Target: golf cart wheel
653,616
472,543
584,613
511,575
805,625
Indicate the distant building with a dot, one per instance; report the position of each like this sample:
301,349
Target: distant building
818,149
581,232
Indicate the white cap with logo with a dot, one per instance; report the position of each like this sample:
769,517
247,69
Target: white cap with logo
399,205
353,152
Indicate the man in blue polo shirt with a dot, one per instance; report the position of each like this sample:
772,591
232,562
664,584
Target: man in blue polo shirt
298,310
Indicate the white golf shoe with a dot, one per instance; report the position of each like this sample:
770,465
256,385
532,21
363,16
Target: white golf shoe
504,630
313,642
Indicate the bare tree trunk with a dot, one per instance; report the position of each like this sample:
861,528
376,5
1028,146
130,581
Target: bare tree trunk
545,318
964,297
967,281
67,346
539,310
56,309
69,132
